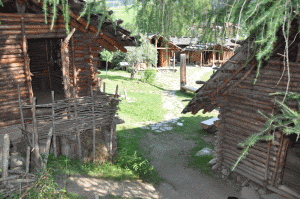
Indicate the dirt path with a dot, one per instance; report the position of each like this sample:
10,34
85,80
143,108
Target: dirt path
170,152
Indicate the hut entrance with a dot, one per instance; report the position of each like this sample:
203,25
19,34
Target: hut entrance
291,177
46,68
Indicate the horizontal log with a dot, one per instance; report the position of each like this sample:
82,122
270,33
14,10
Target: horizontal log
16,46
241,169
230,155
244,168
11,60
10,51
256,152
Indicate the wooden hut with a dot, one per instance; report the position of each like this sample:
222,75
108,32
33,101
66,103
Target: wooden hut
209,54
41,60
274,164
166,50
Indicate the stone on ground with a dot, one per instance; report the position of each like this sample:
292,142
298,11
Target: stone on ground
204,151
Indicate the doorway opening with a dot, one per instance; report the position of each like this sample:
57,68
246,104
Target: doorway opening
291,176
46,67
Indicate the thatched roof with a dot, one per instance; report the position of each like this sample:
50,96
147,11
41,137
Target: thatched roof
229,77
121,36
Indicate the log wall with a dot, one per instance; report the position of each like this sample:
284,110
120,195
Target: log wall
13,69
240,119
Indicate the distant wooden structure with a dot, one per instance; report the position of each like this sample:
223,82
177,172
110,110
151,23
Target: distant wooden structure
209,54
273,164
41,60
166,51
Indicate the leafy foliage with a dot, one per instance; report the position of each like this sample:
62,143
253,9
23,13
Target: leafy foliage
118,57
150,75
106,55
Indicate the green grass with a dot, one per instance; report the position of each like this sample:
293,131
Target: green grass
143,104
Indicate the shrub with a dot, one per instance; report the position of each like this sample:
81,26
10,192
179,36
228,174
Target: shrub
134,162
150,75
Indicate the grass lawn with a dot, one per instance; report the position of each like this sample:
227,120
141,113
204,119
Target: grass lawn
143,104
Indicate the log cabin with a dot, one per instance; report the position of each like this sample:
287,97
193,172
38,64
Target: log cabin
166,50
209,53
41,60
272,164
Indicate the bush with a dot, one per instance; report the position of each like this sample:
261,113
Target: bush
134,162
150,75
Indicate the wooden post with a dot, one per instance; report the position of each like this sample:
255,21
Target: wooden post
125,92
35,135
47,147
26,60
27,159
66,64
94,125
182,72
76,119
173,59
116,93
156,53
6,145
214,58
103,87
20,105
53,125
73,63
201,58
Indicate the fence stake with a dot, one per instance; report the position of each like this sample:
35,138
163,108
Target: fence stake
182,72
47,147
94,125
6,145
27,159
76,119
116,94
35,134
20,104
125,92
53,125
103,87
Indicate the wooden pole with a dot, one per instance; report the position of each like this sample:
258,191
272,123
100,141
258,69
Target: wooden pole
73,63
35,135
103,87
77,129
47,147
27,159
156,53
26,60
201,58
94,125
182,72
6,145
173,59
125,92
48,64
66,64
20,105
116,93
53,125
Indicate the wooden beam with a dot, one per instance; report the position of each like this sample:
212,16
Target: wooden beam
182,71
26,60
66,64
95,30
